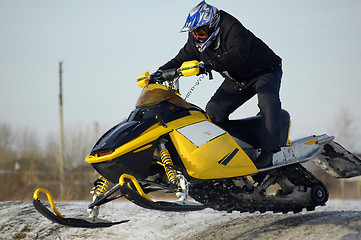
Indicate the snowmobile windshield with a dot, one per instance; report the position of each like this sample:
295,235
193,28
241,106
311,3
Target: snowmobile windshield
153,94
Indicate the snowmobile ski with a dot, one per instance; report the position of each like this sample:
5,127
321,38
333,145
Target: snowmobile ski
137,199
141,199
71,222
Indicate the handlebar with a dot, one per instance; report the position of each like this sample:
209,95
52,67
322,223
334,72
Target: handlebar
189,68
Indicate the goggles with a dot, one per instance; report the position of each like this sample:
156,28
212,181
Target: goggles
200,33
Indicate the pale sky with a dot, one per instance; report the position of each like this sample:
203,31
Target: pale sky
105,45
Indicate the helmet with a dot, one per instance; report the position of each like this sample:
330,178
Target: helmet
203,23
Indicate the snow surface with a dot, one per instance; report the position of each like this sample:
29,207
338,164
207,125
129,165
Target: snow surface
337,220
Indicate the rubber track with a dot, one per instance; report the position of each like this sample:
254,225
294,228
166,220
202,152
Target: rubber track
217,194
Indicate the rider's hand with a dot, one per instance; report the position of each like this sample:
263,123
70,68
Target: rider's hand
156,73
204,68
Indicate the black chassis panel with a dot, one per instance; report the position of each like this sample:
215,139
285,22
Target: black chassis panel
134,163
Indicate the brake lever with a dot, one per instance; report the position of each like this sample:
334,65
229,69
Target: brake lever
210,75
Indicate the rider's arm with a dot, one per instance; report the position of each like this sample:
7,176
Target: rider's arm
185,54
237,41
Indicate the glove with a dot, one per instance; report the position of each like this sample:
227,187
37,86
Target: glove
156,73
206,68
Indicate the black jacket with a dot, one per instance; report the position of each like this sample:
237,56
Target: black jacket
240,54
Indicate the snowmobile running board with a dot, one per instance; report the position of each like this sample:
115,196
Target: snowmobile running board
71,222
301,150
141,199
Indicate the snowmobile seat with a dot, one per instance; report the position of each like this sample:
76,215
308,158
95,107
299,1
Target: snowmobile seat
249,130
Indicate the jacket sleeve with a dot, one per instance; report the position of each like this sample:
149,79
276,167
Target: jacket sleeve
185,54
237,40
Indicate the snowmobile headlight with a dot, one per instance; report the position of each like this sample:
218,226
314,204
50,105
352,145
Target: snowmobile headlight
100,154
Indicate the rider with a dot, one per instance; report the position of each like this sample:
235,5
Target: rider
248,65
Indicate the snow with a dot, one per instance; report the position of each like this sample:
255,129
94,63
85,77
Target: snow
339,219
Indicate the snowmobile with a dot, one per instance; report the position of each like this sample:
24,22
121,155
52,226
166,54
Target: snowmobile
171,146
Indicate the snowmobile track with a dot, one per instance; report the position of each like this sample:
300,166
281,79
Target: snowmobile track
219,195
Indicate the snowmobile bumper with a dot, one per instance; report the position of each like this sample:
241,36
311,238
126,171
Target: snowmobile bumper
71,222
338,162
139,198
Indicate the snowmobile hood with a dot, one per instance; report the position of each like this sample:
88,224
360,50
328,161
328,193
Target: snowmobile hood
133,135
153,94
113,138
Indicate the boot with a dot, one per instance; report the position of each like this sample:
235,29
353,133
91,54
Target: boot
264,160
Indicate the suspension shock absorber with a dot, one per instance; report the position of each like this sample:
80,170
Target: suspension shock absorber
101,186
167,164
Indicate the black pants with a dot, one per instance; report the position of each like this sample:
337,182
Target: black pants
228,98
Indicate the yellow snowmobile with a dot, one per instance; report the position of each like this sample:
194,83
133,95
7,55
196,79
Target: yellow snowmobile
169,145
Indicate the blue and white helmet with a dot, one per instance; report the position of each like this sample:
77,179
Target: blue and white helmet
203,23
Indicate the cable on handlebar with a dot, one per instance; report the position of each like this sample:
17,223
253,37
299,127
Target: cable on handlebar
194,86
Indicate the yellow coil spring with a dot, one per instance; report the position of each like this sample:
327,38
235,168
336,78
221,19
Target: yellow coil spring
101,186
167,161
